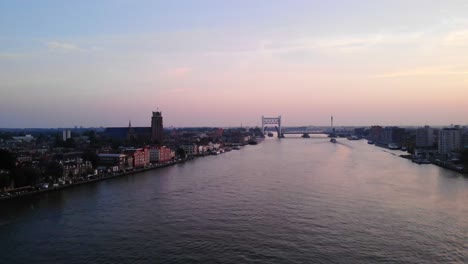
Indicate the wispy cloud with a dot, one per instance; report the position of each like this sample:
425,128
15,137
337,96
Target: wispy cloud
62,46
339,45
351,44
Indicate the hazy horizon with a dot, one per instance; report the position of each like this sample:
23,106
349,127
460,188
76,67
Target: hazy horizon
216,63
234,126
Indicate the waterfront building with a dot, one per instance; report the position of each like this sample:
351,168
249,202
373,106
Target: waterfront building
129,161
465,140
74,168
190,149
157,130
112,160
161,154
393,135
166,154
154,154
399,136
203,150
375,133
449,140
425,137
140,156
387,134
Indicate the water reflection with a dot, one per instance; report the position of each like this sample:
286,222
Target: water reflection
288,201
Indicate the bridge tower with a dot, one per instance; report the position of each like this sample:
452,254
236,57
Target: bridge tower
272,121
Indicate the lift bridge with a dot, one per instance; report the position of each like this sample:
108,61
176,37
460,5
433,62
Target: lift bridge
281,132
276,121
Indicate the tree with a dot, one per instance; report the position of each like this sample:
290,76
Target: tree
92,157
58,142
7,160
54,169
5,135
181,153
25,176
5,180
91,134
69,143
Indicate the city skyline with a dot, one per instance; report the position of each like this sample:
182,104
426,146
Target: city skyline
209,63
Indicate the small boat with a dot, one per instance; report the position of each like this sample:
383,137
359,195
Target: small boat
370,142
393,146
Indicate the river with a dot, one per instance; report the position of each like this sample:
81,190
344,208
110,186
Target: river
289,200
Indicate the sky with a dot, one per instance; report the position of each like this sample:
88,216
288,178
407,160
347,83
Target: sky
227,63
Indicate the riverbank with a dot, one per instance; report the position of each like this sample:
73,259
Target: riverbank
443,164
29,190
439,163
21,192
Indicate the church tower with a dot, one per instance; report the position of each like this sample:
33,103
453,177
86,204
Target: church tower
157,131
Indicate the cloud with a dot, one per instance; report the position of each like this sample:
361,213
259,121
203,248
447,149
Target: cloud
62,46
350,45
339,45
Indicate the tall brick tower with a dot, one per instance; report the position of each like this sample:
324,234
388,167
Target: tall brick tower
157,131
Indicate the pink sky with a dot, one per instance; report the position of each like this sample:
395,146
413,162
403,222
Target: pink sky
387,64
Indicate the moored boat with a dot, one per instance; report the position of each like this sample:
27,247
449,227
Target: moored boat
393,146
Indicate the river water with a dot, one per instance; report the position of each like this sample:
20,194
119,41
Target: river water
290,200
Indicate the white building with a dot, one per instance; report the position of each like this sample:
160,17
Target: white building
449,140
66,134
190,149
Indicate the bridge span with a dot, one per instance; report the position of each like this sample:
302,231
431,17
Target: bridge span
282,131
307,133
